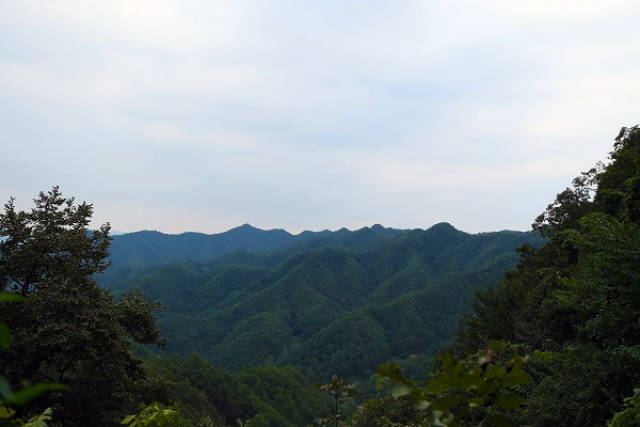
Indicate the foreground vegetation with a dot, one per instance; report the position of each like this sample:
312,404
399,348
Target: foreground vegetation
556,342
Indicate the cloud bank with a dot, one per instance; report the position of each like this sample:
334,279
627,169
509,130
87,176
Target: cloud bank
309,115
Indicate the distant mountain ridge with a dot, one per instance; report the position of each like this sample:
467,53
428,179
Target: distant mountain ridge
332,302
154,247
143,250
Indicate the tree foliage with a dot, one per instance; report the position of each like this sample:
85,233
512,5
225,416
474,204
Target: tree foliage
279,396
481,390
339,390
330,309
576,298
10,397
69,330
153,415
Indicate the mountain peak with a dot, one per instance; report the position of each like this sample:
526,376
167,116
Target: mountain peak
245,227
444,230
443,226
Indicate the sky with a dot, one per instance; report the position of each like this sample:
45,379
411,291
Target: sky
201,116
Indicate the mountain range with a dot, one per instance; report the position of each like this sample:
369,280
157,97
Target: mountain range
331,302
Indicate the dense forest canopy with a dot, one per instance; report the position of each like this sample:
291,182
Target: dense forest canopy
334,303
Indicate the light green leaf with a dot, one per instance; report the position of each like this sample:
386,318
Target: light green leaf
497,346
440,384
423,404
40,420
6,412
9,297
399,391
128,419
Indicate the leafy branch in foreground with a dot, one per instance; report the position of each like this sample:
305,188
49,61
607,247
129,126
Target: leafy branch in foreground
480,392
152,415
630,415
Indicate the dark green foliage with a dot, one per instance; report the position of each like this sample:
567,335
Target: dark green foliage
286,390
279,396
68,330
337,310
348,346
9,397
244,245
389,411
152,247
580,385
339,390
481,390
256,340
577,298
50,241
5,335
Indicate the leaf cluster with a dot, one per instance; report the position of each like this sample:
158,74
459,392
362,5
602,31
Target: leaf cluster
466,392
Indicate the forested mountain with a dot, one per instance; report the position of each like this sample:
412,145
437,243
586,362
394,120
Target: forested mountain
132,252
336,302
142,248
260,396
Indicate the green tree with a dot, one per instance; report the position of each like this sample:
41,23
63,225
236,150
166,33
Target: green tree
339,390
630,415
10,397
478,391
69,330
576,298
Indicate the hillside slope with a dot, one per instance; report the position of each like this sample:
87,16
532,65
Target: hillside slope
143,250
340,303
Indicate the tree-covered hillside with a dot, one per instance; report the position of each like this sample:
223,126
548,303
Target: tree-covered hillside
260,396
577,298
557,342
338,303
144,250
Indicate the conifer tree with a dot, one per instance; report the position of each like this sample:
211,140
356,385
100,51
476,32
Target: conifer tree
68,330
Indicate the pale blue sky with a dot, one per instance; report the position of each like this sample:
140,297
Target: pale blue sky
202,116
